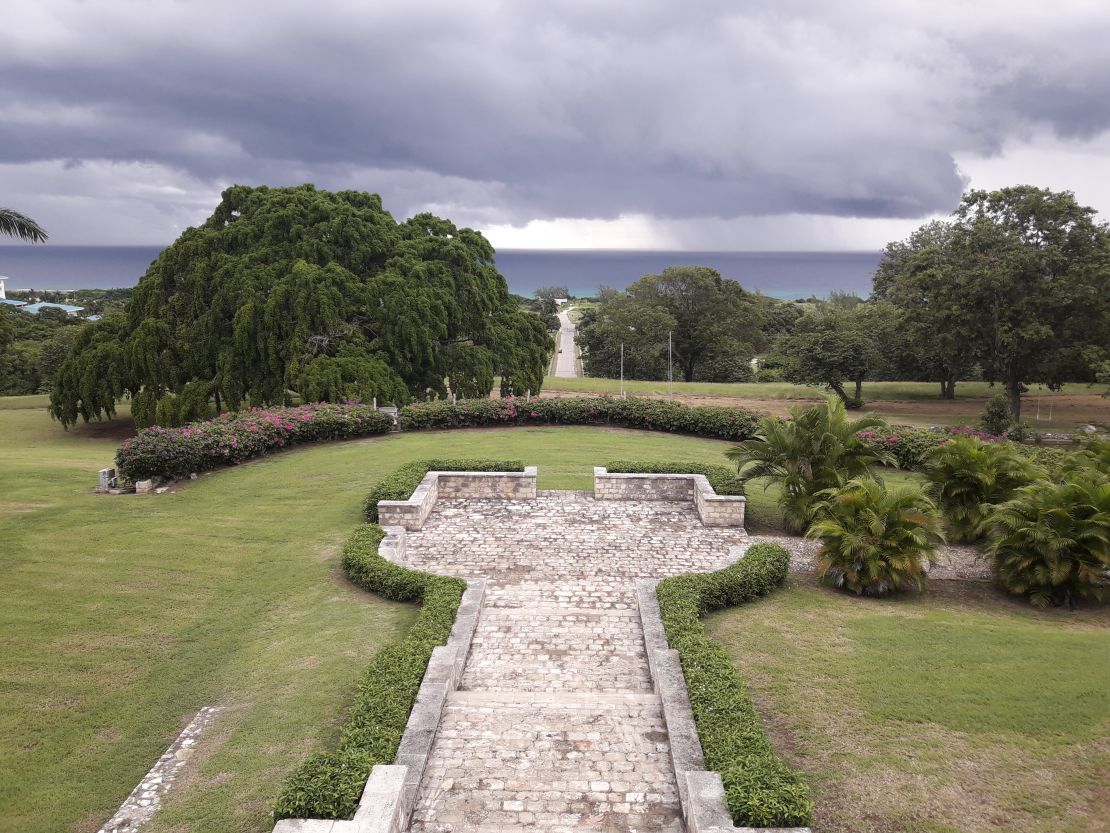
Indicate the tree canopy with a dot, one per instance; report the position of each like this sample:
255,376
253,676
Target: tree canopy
714,325
322,294
1015,281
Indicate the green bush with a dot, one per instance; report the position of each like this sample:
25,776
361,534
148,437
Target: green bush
402,482
996,418
723,479
968,476
761,790
818,448
873,541
1051,541
329,784
720,423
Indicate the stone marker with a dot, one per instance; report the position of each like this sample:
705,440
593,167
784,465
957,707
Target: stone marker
106,479
144,487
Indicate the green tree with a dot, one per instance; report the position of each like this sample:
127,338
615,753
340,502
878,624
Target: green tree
817,449
14,224
283,288
834,344
1051,541
712,321
873,541
925,280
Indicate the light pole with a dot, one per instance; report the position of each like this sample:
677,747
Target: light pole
670,364
622,370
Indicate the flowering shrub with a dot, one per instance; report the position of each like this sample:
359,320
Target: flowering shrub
234,437
720,423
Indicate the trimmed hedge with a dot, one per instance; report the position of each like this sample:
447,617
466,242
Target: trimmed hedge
233,437
761,790
403,481
723,479
329,784
721,423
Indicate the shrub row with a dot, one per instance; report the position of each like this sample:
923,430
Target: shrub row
401,483
723,479
719,423
233,437
761,790
910,445
329,784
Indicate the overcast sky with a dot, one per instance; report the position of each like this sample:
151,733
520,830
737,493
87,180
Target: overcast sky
641,124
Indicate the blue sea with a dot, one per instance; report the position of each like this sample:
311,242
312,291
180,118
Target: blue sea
778,274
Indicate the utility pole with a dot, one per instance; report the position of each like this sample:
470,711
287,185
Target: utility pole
670,364
622,370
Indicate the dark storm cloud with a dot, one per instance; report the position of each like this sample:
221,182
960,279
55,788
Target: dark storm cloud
510,112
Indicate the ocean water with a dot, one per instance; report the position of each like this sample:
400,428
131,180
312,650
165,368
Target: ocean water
779,274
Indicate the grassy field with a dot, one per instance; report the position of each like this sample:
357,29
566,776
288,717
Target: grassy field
909,403
121,616
958,710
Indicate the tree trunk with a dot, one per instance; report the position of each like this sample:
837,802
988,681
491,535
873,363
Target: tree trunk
948,387
838,389
859,390
688,371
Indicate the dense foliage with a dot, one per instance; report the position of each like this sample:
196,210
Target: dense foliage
761,790
720,423
715,328
1051,541
32,348
874,541
402,482
1014,282
967,477
298,289
818,448
836,343
231,438
329,784
723,479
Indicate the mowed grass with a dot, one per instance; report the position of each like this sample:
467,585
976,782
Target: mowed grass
956,710
909,391
121,616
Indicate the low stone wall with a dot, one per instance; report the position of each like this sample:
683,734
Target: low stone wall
713,509
412,513
701,792
390,792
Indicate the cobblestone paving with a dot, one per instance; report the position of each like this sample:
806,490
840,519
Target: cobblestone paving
555,726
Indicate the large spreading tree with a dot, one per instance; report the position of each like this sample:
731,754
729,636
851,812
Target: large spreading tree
1017,281
325,295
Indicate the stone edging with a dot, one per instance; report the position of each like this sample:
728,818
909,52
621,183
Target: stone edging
411,513
701,792
146,798
390,792
713,509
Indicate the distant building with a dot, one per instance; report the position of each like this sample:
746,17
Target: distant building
68,309
94,317
12,302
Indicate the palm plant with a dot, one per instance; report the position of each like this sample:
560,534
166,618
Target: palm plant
1051,541
818,448
967,477
874,541
14,224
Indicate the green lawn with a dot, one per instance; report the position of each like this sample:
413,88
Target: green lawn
784,390
121,616
958,710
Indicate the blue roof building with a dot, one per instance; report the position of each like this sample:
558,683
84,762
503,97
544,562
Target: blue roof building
12,302
68,309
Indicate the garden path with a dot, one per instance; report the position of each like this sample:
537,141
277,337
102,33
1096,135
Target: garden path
555,726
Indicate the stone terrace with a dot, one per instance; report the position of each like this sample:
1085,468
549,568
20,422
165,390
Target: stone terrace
555,725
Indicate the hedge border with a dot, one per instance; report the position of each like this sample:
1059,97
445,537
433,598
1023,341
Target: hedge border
761,790
723,479
329,784
402,481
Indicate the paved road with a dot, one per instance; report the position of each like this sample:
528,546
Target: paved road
565,365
